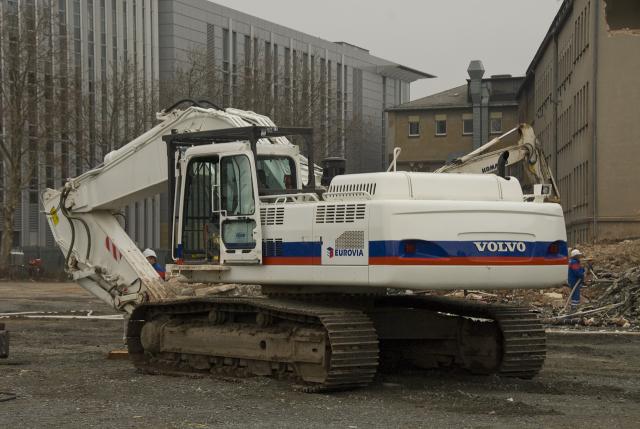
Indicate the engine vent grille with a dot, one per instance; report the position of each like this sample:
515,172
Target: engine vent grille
370,188
272,215
272,247
350,240
340,213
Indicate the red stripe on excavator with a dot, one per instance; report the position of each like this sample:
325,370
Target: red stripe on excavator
489,260
394,260
295,260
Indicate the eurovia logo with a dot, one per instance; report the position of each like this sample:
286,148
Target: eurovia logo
331,252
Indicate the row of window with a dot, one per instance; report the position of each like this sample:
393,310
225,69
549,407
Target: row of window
495,125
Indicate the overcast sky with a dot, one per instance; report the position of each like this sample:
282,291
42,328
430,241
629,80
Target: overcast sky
439,37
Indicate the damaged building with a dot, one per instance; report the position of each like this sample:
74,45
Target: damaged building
581,94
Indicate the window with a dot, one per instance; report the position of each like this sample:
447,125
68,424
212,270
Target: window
237,187
414,129
276,173
414,126
201,205
467,124
495,123
236,184
441,125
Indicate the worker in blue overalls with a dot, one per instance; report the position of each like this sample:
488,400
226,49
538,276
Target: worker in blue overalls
576,277
153,260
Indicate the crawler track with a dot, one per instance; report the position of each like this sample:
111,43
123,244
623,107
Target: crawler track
521,341
321,345
350,359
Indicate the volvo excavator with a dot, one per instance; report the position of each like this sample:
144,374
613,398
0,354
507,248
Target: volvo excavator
244,209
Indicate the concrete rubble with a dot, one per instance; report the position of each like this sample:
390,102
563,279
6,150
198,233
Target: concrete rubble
183,290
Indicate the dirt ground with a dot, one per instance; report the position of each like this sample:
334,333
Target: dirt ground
61,378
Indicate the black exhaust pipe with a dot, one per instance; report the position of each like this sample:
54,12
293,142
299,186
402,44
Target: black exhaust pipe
502,165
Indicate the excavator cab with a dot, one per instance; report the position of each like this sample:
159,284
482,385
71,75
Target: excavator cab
219,178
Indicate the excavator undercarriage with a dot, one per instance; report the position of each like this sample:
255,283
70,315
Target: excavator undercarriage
324,346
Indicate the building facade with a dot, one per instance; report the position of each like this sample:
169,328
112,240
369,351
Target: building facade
349,86
97,48
580,95
157,39
438,128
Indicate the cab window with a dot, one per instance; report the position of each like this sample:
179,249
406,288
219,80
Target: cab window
237,186
276,173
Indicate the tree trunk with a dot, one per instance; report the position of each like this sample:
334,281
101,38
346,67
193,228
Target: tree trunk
12,199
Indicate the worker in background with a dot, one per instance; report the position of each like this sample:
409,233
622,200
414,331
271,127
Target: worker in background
153,260
576,277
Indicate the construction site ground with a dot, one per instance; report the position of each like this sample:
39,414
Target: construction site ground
58,375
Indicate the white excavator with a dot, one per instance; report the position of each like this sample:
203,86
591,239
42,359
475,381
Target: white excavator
525,160
329,261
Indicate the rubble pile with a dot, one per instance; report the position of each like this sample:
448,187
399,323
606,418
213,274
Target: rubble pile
180,288
609,260
623,296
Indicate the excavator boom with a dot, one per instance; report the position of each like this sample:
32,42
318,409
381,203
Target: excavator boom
525,159
100,256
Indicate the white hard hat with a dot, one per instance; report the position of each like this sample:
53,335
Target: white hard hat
575,252
149,252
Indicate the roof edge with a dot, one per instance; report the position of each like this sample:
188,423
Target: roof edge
449,107
558,20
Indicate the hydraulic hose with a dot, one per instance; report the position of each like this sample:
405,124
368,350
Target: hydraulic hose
192,102
65,212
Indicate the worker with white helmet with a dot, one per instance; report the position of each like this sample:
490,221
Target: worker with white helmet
576,277
153,260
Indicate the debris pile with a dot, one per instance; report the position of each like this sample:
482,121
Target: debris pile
623,298
609,260
179,287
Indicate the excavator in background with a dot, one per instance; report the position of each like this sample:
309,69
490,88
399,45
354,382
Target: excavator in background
524,160
329,261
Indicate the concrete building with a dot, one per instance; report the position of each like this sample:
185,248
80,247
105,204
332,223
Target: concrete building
580,94
358,84
97,39
156,37
443,126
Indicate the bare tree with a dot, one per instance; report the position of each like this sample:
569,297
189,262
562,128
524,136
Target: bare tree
125,108
194,78
27,93
299,91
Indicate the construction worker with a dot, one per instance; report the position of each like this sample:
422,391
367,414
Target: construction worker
575,278
153,260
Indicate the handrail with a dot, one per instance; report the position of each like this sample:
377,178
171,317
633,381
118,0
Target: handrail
396,155
283,198
332,195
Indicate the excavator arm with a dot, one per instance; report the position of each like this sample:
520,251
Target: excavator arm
525,160
99,255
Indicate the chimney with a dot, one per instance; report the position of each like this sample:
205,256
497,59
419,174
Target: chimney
480,102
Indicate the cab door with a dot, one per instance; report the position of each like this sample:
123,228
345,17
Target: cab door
217,216
241,235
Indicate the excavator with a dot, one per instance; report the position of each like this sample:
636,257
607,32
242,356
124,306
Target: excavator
524,160
343,270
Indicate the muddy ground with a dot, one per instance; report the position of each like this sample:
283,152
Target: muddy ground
61,378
